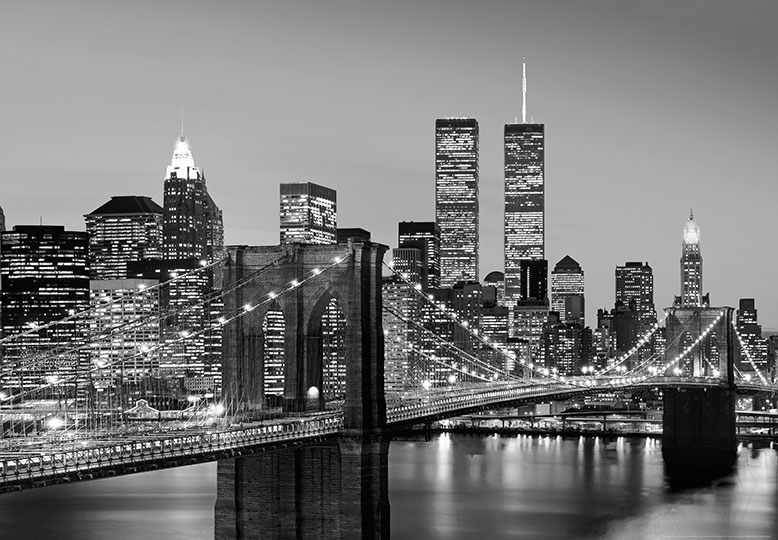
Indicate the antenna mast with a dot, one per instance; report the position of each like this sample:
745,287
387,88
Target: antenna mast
523,90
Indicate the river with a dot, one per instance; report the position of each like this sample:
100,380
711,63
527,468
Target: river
453,487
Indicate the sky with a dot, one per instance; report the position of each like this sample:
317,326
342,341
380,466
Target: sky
650,109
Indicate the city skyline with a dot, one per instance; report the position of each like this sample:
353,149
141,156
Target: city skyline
629,206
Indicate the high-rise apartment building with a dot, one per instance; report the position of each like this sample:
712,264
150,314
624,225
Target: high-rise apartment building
123,230
456,198
635,282
192,225
45,277
691,265
424,235
567,282
308,214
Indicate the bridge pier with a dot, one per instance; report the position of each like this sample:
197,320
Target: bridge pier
698,439
337,490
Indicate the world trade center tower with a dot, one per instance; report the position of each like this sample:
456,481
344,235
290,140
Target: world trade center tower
524,199
456,198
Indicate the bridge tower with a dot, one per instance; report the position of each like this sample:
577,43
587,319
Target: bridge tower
699,423
354,282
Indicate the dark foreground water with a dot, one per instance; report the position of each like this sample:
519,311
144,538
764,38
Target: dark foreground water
451,488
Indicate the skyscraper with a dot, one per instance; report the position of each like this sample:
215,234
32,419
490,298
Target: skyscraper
424,235
524,218
635,281
192,225
123,230
45,277
308,214
567,281
2,220
456,198
751,334
691,265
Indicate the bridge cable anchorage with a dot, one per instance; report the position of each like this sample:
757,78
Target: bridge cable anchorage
61,382
89,340
744,348
491,372
463,324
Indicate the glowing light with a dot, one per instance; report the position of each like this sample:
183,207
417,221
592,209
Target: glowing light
426,384
316,271
272,295
247,307
55,422
294,283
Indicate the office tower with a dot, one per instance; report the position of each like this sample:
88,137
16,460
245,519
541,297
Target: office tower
635,281
2,220
410,263
691,265
45,277
354,234
524,218
456,198
123,366
566,346
567,281
496,279
123,230
403,339
494,326
192,225
308,214
424,235
751,335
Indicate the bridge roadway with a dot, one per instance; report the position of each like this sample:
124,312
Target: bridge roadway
32,462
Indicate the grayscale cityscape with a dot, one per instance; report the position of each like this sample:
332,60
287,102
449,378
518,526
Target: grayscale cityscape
445,279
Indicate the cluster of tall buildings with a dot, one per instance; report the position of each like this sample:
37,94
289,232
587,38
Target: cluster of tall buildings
135,249
134,262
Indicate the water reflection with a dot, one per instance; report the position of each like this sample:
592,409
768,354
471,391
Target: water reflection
330,490
452,487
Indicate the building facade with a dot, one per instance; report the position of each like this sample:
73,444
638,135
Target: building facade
635,282
567,289
44,277
123,230
192,224
456,199
524,218
691,265
424,235
308,214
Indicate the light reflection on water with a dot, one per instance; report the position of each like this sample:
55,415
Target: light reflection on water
555,487
454,487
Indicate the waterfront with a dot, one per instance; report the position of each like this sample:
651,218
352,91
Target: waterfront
453,487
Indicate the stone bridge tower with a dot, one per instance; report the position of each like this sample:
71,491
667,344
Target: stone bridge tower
355,283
